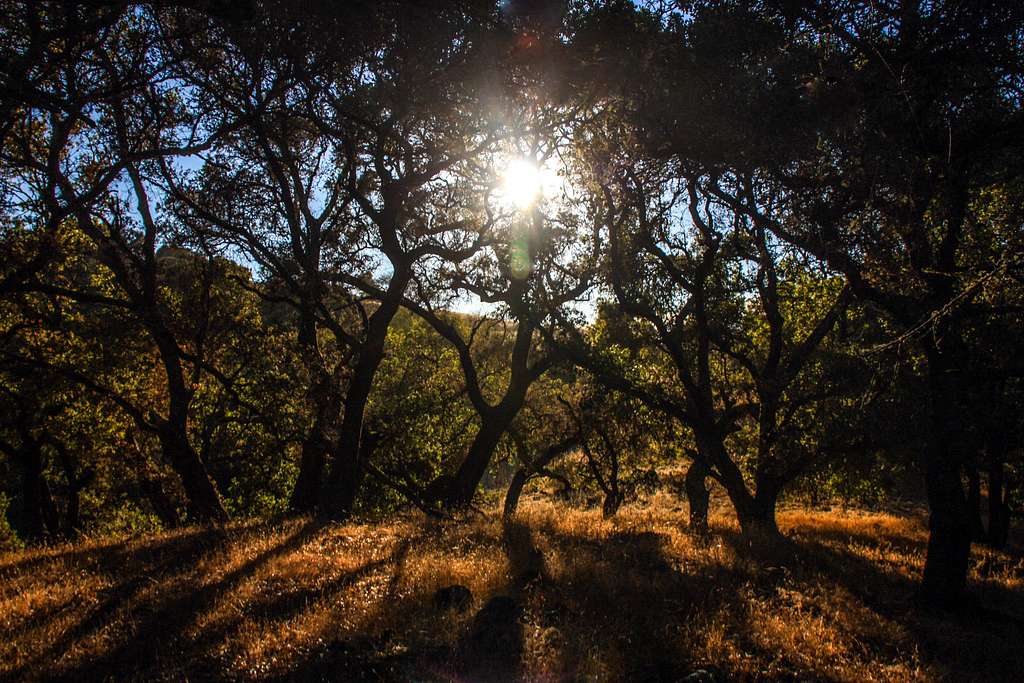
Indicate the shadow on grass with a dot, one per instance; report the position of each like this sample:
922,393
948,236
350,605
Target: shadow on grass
158,644
583,605
623,599
982,642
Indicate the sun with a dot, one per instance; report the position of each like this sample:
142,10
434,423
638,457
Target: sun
523,183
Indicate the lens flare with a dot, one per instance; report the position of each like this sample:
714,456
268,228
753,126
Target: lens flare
522,183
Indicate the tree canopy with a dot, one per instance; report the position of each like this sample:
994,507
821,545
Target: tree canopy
343,258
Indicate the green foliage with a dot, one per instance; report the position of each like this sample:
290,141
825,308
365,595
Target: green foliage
9,539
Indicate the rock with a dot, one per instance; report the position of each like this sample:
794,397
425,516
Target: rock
493,647
500,611
703,676
455,597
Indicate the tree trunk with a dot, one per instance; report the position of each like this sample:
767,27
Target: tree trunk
949,541
612,502
515,490
698,496
319,443
347,473
317,447
72,513
339,496
757,518
203,502
159,501
305,494
537,465
998,500
467,478
50,515
974,503
77,480
33,520
756,515
944,581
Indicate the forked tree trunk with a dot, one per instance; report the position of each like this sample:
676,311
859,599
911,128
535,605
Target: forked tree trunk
755,513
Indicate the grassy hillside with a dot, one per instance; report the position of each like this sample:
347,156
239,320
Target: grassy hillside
633,598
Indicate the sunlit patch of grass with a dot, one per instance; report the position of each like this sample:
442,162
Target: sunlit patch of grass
631,597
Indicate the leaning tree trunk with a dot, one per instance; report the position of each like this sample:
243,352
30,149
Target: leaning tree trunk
204,504
515,492
203,501
158,499
339,495
467,478
536,466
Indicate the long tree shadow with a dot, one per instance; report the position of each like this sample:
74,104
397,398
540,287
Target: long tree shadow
158,641
134,567
624,600
982,639
111,556
348,659
614,605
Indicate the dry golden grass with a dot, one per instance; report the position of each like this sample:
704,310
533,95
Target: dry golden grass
632,598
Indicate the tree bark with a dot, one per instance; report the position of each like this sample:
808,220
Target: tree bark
755,513
998,504
317,448
944,581
325,400
698,496
471,471
159,501
31,508
974,503
515,491
204,504
347,473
